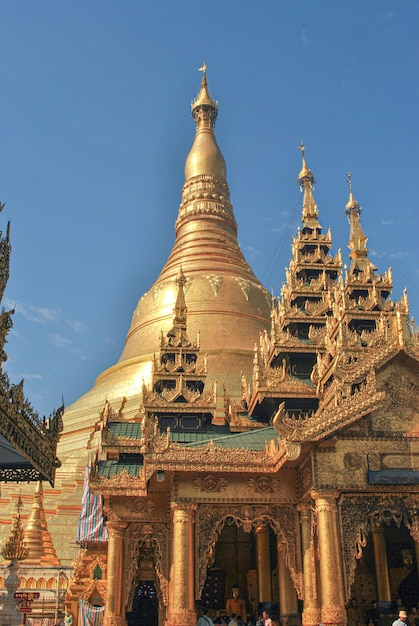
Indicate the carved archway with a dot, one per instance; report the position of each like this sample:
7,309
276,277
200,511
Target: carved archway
150,540
358,514
211,519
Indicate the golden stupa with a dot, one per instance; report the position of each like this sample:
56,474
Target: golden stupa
224,298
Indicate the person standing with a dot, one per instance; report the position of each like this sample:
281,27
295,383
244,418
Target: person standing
205,619
266,619
401,620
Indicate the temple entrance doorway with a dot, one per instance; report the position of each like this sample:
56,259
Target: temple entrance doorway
234,572
145,611
399,552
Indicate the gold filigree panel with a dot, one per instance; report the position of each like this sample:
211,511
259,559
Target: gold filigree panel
357,516
211,519
148,543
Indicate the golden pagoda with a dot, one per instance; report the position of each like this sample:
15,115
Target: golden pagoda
266,445
36,535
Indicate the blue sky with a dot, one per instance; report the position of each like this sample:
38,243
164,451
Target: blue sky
96,125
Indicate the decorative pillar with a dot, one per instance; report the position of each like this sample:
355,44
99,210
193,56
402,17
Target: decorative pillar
381,565
113,610
288,605
414,530
330,559
181,590
263,559
311,611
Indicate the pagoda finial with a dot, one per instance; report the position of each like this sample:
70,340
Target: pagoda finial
203,102
306,181
205,157
357,240
352,206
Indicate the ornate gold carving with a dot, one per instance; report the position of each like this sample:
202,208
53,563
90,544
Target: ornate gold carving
140,505
183,513
334,615
121,483
353,461
210,483
358,514
311,617
146,541
404,392
211,519
264,484
215,281
183,617
245,286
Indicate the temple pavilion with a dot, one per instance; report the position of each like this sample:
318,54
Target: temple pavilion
264,444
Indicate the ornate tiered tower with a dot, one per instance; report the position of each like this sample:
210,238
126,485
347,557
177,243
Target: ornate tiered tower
284,360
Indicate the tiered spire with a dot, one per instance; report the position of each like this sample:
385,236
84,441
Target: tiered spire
357,239
177,335
14,548
284,361
306,182
36,535
177,398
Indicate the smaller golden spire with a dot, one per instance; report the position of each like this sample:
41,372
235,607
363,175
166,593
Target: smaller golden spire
177,335
38,540
357,240
306,181
14,548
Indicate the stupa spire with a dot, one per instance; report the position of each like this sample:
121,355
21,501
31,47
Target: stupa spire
306,181
357,240
205,157
36,535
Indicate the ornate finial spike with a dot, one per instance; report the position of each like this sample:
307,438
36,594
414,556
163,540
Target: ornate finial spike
301,147
349,181
203,68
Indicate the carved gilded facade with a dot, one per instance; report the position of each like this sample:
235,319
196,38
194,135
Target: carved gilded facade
251,441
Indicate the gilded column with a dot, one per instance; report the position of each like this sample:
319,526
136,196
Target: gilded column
330,559
311,611
381,565
113,610
288,605
263,558
414,531
181,589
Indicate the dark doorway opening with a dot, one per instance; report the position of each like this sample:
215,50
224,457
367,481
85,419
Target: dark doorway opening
145,607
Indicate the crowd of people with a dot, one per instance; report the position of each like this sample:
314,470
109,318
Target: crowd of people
233,620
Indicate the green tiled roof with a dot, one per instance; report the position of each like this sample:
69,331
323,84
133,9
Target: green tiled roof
127,430
109,469
221,435
253,440
199,437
